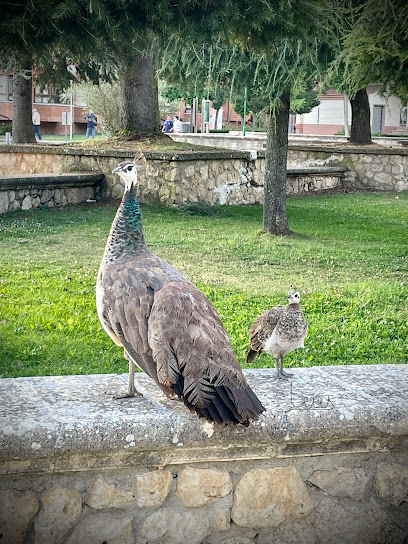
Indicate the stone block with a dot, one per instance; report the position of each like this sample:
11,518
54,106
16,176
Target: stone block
46,195
204,171
102,528
104,494
57,196
222,519
117,191
15,205
198,486
341,482
353,522
391,482
26,204
188,171
61,509
166,526
4,201
75,195
383,179
17,509
267,497
153,488
171,175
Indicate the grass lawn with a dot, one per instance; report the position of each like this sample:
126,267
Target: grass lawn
348,256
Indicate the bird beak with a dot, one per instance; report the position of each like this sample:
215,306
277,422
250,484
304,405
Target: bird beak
117,169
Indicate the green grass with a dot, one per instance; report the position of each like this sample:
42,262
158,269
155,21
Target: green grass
348,256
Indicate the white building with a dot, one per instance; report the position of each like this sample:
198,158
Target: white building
387,115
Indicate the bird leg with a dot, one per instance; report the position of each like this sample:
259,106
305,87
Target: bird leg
280,374
284,375
131,388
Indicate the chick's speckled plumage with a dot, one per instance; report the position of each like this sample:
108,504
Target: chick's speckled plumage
278,331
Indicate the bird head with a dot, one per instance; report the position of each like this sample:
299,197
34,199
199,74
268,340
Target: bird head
294,297
128,172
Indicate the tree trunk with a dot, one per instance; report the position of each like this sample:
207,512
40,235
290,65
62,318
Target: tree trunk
140,98
275,218
23,130
360,118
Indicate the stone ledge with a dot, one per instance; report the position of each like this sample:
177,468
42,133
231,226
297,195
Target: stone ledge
349,149
322,170
71,423
42,181
64,149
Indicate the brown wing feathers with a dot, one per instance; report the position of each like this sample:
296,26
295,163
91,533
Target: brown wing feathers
191,347
167,326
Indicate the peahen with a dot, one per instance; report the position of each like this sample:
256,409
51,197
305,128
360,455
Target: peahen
278,331
167,326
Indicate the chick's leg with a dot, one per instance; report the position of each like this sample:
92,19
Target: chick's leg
284,375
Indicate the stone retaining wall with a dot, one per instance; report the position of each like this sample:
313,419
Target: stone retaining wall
220,177
370,167
31,192
215,177
326,464
374,168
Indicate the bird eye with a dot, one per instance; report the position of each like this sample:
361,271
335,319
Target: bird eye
129,168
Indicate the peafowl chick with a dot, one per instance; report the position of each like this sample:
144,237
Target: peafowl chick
167,326
278,331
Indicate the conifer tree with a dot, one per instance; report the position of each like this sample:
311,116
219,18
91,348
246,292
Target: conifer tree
287,73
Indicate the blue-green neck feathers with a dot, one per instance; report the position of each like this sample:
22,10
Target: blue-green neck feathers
126,235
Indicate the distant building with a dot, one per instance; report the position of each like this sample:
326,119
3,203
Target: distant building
226,115
49,105
387,116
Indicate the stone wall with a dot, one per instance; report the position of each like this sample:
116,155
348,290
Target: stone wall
370,167
326,464
220,177
374,168
31,192
215,177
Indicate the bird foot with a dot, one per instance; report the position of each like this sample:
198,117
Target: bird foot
172,396
128,395
283,376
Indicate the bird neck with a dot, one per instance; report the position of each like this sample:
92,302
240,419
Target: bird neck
126,235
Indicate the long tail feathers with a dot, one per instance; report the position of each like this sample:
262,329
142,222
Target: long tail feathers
229,406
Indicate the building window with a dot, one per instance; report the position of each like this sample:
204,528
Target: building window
6,88
48,95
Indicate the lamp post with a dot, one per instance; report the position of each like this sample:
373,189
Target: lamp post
245,108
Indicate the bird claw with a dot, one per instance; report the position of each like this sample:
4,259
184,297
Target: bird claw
128,395
283,376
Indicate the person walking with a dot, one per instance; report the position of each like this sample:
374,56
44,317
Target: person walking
36,122
176,125
168,125
91,123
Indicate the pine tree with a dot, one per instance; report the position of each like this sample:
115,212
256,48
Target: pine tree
287,73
